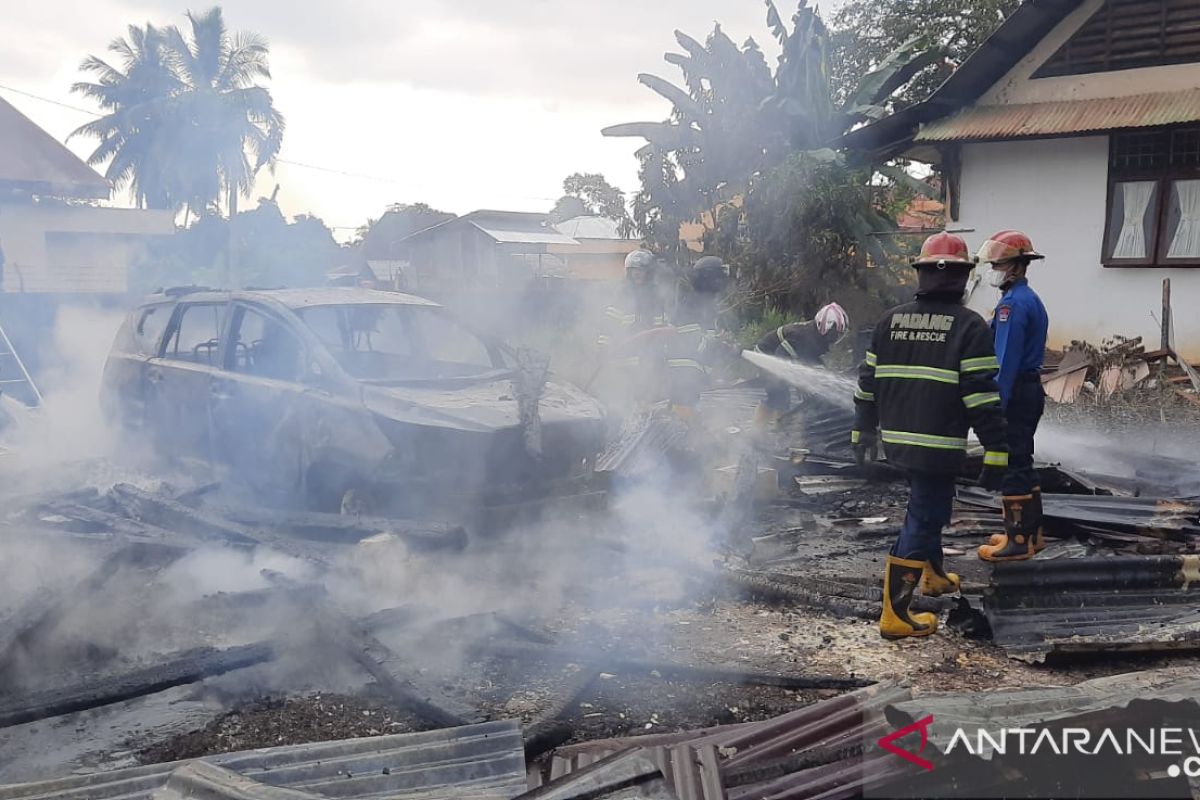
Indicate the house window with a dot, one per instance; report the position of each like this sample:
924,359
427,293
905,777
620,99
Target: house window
1154,199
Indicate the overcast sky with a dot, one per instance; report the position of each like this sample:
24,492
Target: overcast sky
462,104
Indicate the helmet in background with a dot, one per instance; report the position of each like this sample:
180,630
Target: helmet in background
832,318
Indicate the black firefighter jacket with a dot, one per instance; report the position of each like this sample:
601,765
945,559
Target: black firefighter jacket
929,376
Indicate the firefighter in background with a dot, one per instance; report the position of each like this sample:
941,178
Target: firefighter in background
631,353
802,342
1020,326
695,348
929,376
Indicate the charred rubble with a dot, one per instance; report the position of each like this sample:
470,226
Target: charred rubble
504,703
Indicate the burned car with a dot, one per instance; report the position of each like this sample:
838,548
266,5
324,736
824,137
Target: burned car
337,393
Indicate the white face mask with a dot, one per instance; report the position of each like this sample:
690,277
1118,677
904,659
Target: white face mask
997,277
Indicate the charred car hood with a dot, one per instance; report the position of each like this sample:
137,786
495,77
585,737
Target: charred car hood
488,405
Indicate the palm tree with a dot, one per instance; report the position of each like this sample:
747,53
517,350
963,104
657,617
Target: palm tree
232,129
132,134
187,126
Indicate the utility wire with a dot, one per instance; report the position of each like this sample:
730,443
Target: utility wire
289,162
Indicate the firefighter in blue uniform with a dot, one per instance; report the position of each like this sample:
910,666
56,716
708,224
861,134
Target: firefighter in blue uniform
928,377
1020,325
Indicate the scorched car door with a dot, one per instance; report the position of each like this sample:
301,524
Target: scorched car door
259,406
179,380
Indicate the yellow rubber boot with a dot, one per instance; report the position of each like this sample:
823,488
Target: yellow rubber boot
900,578
1016,543
1039,535
1039,531
935,581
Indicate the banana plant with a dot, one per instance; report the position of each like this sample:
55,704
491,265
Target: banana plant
734,119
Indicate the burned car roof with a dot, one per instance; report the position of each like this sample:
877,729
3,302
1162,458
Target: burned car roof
302,298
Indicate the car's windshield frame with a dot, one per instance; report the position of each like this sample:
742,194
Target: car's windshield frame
352,342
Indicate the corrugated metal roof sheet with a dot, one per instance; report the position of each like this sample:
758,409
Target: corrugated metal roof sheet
590,227
1024,708
474,761
1094,604
1063,118
511,233
813,749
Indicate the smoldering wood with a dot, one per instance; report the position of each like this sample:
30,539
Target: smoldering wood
92,691
350,529
82,518
551,728
46,609
165,512
397,677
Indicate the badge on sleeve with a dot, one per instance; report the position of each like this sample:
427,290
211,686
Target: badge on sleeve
1003,313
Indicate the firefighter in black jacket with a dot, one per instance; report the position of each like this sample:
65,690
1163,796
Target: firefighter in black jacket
929,376
802,342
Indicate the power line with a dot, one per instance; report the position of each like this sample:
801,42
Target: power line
48,100
289,162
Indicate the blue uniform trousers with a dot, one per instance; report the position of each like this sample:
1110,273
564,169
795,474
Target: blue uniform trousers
930,503
1023,413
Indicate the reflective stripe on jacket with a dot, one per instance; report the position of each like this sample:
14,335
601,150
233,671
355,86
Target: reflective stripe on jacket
929,377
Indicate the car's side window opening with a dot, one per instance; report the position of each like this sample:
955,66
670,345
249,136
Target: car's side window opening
196,335
264,346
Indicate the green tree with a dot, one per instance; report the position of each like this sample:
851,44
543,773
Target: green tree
747,152
273,251
591,193
379,237
737,119
232,129
187,125
133,134
866,31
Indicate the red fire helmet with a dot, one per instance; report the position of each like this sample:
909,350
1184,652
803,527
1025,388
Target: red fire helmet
944,249
1007,245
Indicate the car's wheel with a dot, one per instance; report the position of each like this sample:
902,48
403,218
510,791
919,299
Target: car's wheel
326,485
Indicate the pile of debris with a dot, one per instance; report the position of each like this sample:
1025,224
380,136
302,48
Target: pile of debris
1101,375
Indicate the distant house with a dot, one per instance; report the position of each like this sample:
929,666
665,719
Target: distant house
600,252
1077,122
54,241
507,248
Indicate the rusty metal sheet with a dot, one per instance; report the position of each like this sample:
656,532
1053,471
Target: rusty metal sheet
981,123
1095,604
485,760
1175,518
807,752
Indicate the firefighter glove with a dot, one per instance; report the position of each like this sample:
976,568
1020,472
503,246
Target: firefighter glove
866,446
991,477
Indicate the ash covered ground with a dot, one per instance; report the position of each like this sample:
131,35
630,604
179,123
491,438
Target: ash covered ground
635,620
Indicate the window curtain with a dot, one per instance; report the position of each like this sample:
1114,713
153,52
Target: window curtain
1186,242
1132,241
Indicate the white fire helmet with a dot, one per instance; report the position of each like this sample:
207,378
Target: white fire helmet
832,319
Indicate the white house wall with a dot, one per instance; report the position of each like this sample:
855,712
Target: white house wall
1018,86
66,249
1055,190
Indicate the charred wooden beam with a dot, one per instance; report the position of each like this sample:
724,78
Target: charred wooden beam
166,512
46,609
551,728
349,529
400,679
93,692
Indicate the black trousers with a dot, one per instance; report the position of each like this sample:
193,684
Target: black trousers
1023,414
